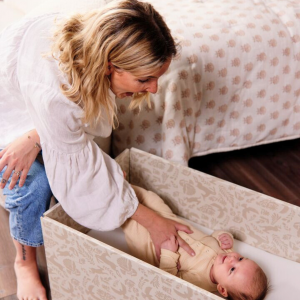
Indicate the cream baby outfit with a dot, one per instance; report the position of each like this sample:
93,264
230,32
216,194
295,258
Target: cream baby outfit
194,269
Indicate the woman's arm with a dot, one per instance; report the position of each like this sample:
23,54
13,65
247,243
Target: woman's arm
18,156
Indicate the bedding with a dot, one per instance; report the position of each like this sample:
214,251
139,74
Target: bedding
234,84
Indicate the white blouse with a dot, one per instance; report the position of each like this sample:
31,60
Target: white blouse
86,181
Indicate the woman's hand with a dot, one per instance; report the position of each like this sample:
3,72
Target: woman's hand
171,244
18,156
226,241
161,229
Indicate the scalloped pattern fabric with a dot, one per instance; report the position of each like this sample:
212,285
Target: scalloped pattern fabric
234,84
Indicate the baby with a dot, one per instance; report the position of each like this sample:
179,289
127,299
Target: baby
214,267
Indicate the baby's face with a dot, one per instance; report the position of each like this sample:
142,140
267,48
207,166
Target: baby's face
232,270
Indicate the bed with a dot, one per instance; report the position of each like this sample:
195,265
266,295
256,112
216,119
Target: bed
235,83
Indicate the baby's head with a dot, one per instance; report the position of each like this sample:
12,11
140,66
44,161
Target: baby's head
238,277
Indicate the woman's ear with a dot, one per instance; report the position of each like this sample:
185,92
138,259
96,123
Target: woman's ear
222,290
109,69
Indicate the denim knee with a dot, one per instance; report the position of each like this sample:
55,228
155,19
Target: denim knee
27,204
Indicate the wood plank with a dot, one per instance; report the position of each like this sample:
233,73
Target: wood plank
286,175
8,284
272,169
6,244
42,265
251,177
234,165
281,160
273,182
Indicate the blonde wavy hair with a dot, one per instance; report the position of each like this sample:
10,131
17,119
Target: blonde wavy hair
130,34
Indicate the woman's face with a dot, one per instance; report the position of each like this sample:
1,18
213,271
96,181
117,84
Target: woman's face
124,84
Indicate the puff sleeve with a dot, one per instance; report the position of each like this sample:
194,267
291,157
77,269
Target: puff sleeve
87,182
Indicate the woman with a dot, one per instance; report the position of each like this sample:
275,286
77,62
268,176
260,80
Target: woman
59,103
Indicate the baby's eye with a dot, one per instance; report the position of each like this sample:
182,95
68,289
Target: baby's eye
241,258
231,270
143,81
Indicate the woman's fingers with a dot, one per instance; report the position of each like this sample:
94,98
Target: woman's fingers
3,182
19,156
3,163
14,178
23,177
16,173
173,239
5,177
185,246
181,227
2,152
181,242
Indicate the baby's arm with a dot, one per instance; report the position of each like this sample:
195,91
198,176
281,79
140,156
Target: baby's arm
169,256
224,238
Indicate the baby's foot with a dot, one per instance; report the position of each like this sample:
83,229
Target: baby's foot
29,282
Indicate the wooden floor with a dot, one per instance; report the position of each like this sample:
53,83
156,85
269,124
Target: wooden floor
270,169
7,252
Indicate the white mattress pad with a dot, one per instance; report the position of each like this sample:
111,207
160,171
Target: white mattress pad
283,274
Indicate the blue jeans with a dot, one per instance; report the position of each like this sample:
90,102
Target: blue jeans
27,204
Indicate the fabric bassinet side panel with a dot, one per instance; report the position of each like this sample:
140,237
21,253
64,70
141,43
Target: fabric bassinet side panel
256,219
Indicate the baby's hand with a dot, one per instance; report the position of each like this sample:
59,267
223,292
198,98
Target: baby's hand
170,244
226,241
